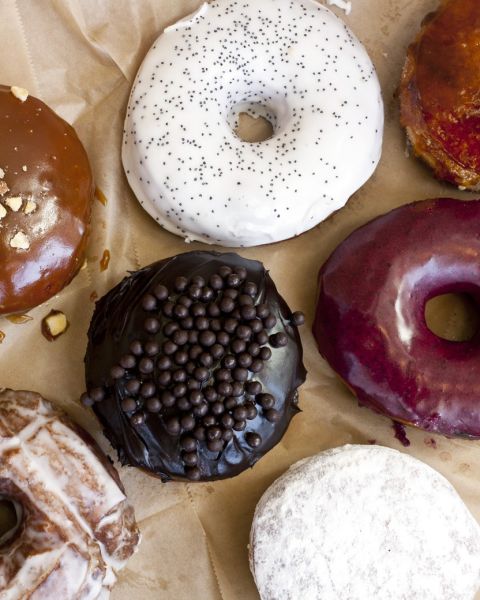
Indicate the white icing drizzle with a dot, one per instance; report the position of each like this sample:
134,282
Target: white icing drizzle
75,514
364,522
291,61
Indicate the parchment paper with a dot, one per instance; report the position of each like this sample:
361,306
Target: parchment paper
81,57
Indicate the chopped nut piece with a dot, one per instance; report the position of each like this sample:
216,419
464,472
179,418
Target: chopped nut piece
2,173
30,207
24,168
19,92
14,203
3,188
20,241
3,211
54,324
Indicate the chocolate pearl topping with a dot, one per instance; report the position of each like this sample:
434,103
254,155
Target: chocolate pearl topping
191,359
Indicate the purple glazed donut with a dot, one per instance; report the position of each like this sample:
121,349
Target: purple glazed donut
370,318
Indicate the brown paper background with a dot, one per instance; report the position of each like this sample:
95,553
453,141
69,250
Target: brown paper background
81,57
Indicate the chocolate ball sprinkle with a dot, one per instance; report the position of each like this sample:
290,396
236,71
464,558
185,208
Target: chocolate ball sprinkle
261,337
262,311
233,280
224,388
147,389
227,421
224,271
217,351
152,348
160,292
201,410
164,378
151,325
244,360
193,473
231,403
266,401
164,363
215,445
149,302
194,292
246,300
187,422
183,404
207,338
201,373
253,388
190,458
237,389
180,357
239,346
136,348
132,386
216,282
199,433
210,393
243,332
265,353
167,308
230,325
180,283
214,310
227,305
128,405
248,313
97,394
170,328
169,347
153,405
240,374
239,413
146,365
232,294
117,372
167,399
227,435
273,415
279,340
256,325
298,318
137,419
253,439
240,425
250,288
256,366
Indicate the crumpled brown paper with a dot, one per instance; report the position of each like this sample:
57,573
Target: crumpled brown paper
81,58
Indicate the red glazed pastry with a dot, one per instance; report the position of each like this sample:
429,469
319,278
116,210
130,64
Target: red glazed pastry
370,318
46,192
440,104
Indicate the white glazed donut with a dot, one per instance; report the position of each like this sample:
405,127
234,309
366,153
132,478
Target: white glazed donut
364,522
291,61
75,527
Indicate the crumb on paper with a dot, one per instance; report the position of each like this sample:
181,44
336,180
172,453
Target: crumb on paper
345,5
14,203
20,241
30,207
19,92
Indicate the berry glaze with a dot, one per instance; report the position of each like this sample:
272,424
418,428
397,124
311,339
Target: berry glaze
370,317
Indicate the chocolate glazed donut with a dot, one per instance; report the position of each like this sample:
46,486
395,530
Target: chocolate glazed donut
370,318
193,365
46,192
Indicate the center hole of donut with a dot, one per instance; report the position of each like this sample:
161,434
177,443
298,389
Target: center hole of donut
453,317
253,129
9,520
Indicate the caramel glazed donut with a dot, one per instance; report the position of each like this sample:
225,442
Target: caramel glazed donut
370,320
294,63
75,528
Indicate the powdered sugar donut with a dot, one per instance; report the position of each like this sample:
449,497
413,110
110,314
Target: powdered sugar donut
292,62
364,522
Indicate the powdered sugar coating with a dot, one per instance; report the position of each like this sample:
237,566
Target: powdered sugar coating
362,522
291,61
76,526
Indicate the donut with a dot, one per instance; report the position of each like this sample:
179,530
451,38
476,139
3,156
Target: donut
193,365
46,193
363,522
439,93
75,528
370,317
291,62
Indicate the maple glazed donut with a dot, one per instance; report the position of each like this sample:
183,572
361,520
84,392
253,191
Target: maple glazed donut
291,62
75,528
370,317
46,193
362,522
439,93
193,365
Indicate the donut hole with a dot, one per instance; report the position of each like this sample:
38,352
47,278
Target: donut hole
453,317
10,519
252,122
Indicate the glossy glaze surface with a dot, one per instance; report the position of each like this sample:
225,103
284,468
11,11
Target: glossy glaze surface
118,321
44,163
439,92
370,318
